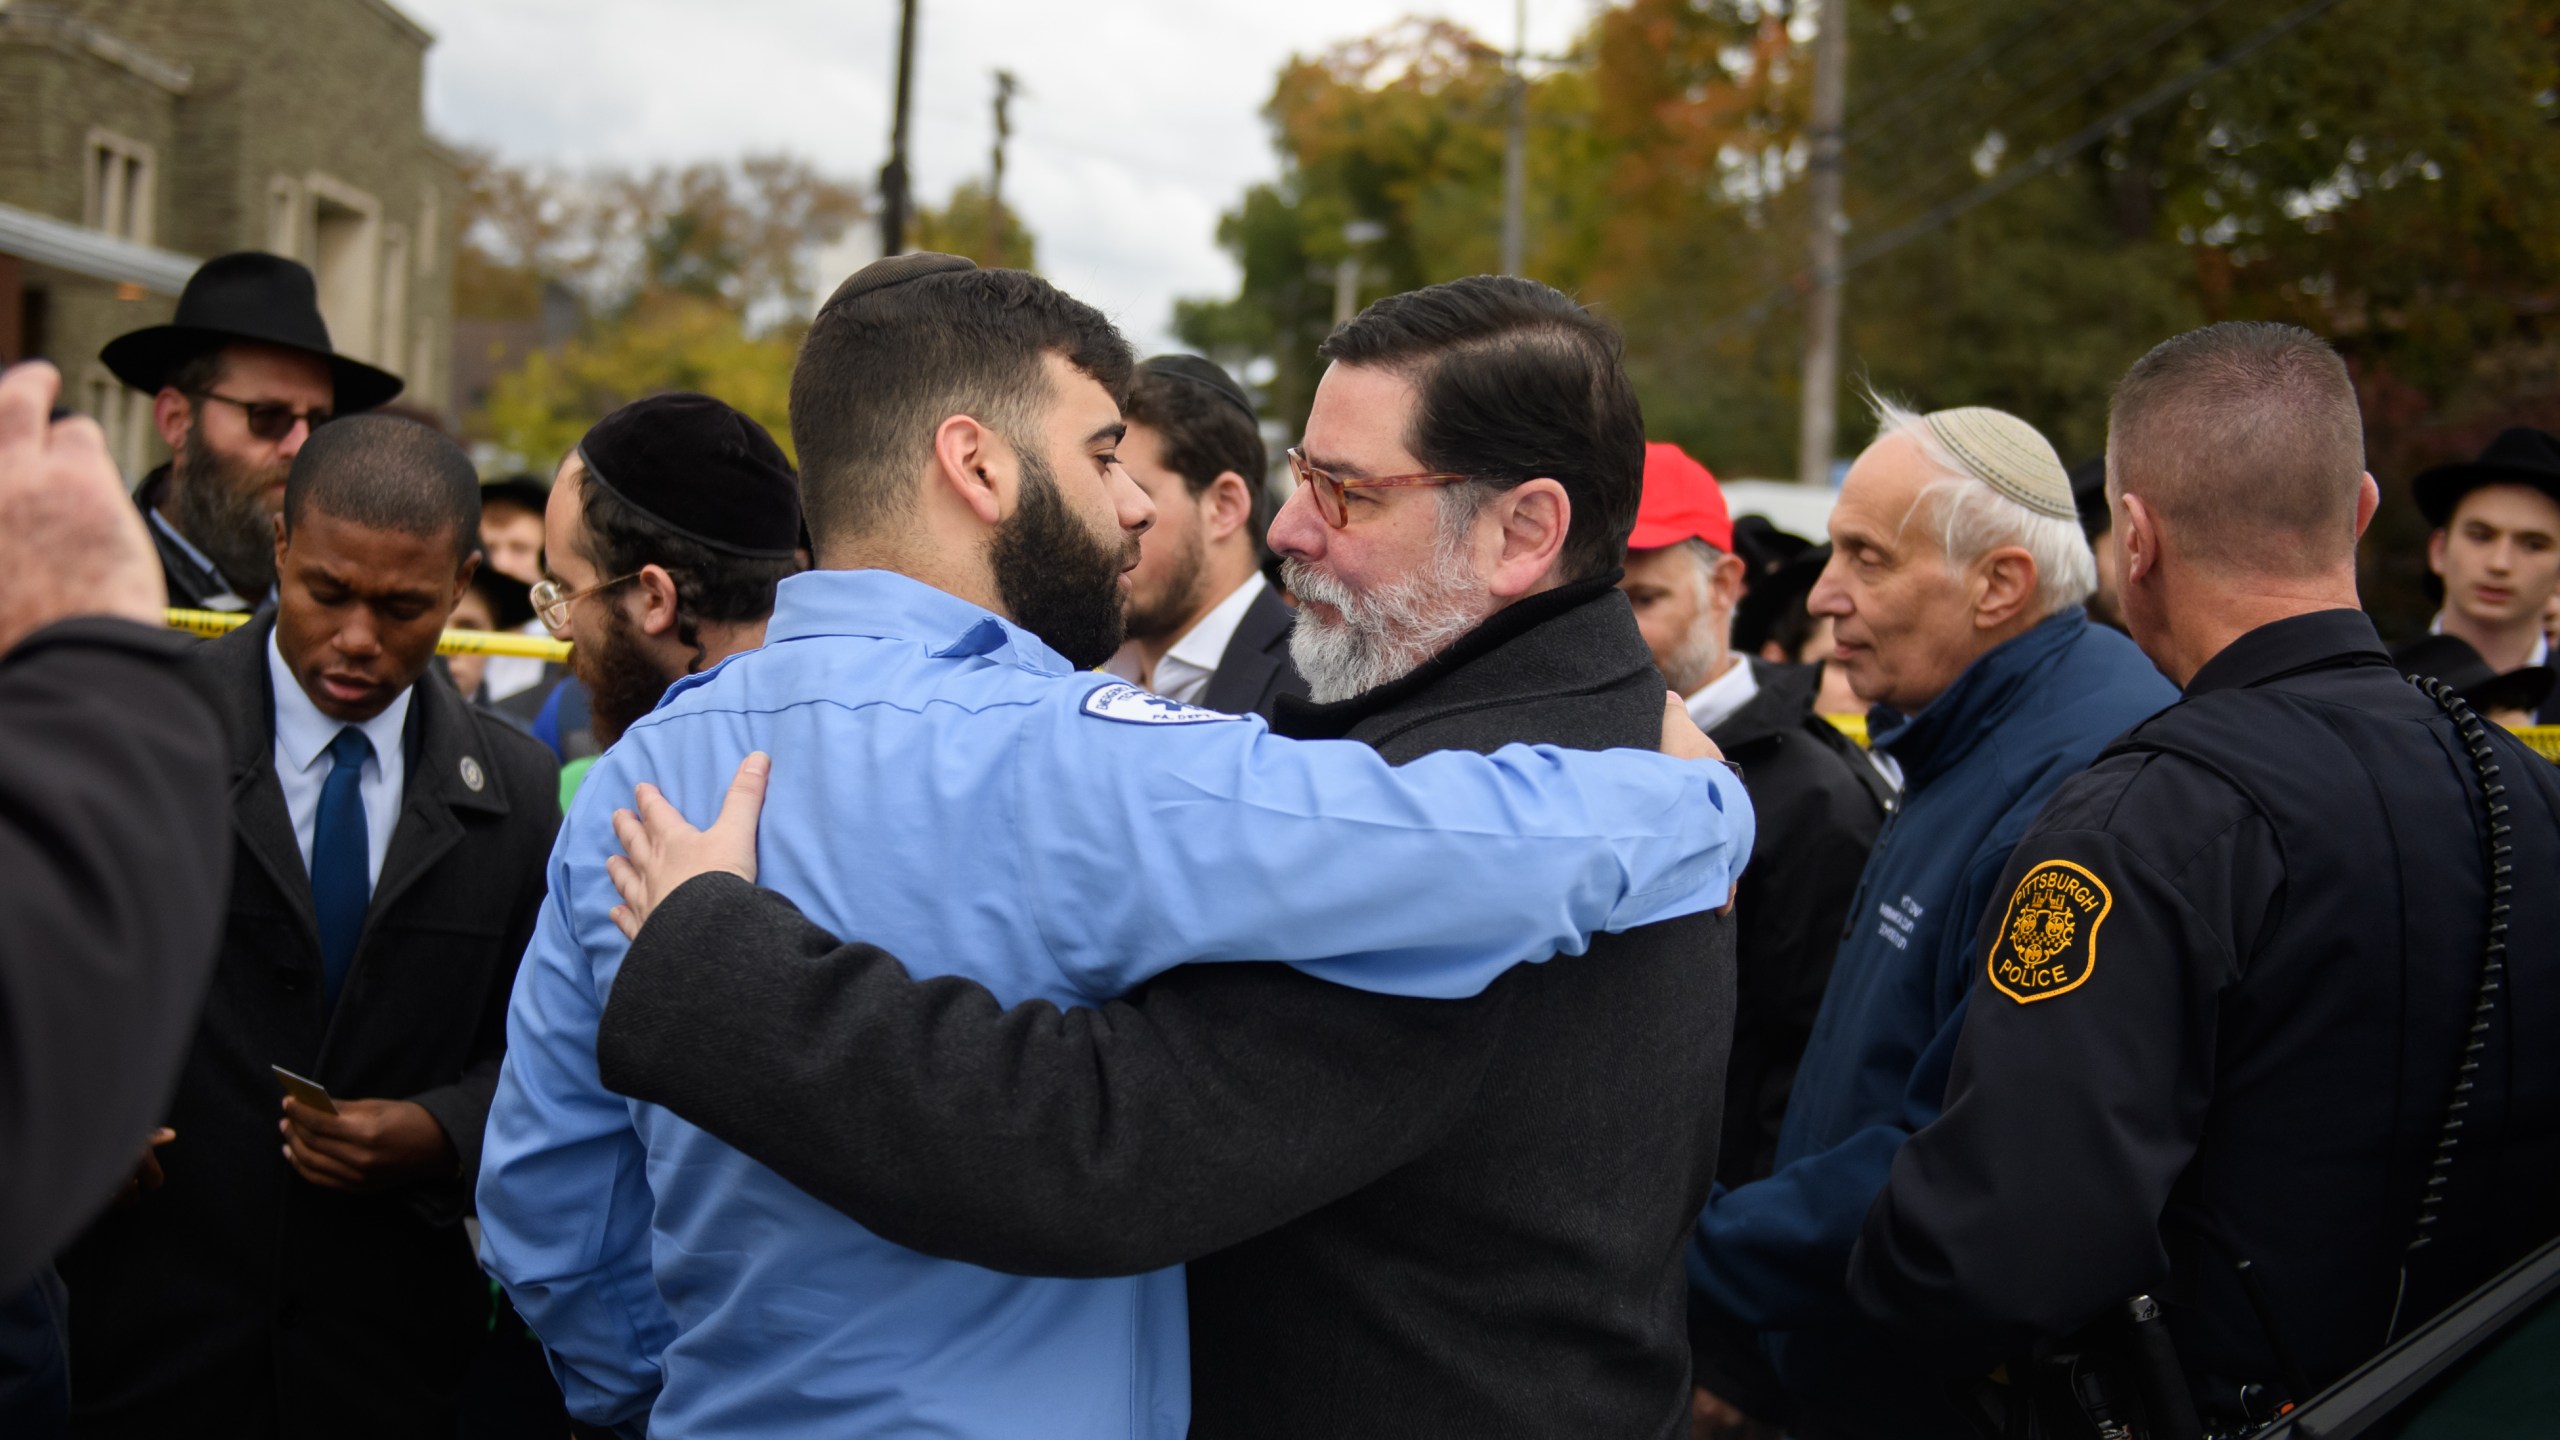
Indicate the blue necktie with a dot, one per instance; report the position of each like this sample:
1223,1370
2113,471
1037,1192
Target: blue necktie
341,879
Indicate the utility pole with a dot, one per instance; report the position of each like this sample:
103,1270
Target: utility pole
893,176
1006,86
1822,310
1515,149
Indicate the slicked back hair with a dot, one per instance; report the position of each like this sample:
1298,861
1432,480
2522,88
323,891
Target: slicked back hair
1205,435
1517,382
881,370
385,473
2245,439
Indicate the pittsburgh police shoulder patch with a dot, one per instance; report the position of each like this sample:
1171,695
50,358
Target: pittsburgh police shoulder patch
1130,705
2048,942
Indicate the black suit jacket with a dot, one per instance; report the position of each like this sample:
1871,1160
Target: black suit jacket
240,1296
1256,670
1406,1217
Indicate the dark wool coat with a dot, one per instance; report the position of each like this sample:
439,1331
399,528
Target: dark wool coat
240,1296
112,834
1407,1218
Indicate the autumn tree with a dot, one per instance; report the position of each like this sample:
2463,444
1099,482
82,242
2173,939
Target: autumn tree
2036,193
960,226
664,340
694,277
1403,131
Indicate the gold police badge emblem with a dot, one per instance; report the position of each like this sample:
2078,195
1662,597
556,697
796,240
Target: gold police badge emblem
2048,943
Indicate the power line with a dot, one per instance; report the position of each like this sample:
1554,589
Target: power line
1921,92
2044,159
2071,47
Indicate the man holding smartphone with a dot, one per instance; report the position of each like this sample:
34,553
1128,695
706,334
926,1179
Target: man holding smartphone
289,1269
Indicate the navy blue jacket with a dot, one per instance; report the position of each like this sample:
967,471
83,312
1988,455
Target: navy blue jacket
1978,763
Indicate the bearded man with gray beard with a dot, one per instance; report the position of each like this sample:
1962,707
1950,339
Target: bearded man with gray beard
1422,1217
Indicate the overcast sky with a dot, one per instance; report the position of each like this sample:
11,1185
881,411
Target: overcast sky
1139,122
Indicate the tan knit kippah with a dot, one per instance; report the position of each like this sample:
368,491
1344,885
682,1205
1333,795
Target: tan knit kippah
2009,455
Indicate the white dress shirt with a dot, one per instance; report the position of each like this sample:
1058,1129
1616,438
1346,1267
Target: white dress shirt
302,763
2541,643
1183,674
1716,701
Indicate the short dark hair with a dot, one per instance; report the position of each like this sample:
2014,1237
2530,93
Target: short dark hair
1517,382
385,473
2246,436
1206,434
619,537
882,367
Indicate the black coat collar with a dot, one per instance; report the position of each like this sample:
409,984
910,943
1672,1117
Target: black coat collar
2289,646
1485,666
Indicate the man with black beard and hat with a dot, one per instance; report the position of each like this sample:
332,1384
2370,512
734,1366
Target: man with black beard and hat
238,380
666,531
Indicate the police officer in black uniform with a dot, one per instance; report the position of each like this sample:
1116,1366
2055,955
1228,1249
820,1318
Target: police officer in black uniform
2240,966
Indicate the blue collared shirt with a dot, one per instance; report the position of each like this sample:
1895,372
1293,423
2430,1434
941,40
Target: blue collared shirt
947,787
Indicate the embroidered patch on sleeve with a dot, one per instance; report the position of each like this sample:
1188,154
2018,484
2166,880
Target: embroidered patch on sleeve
2048,942
1132,706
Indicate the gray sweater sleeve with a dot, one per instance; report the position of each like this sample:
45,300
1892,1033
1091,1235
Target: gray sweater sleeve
1213,1104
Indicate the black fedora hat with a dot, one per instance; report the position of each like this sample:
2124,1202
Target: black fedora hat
2451,659
248,296
2521,456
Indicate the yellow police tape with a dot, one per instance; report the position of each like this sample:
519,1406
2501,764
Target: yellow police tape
1853,726
455,642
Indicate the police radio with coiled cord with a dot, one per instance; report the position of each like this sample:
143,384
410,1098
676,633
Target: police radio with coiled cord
2120,1379
2474,733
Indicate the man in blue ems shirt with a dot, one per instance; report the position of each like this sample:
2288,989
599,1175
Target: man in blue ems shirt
959,792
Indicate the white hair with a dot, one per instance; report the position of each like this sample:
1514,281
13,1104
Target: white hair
1971,519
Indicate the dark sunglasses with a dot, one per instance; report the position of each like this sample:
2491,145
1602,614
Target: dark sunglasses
271,420
1330,488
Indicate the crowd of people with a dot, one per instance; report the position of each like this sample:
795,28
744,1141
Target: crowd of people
1018,926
